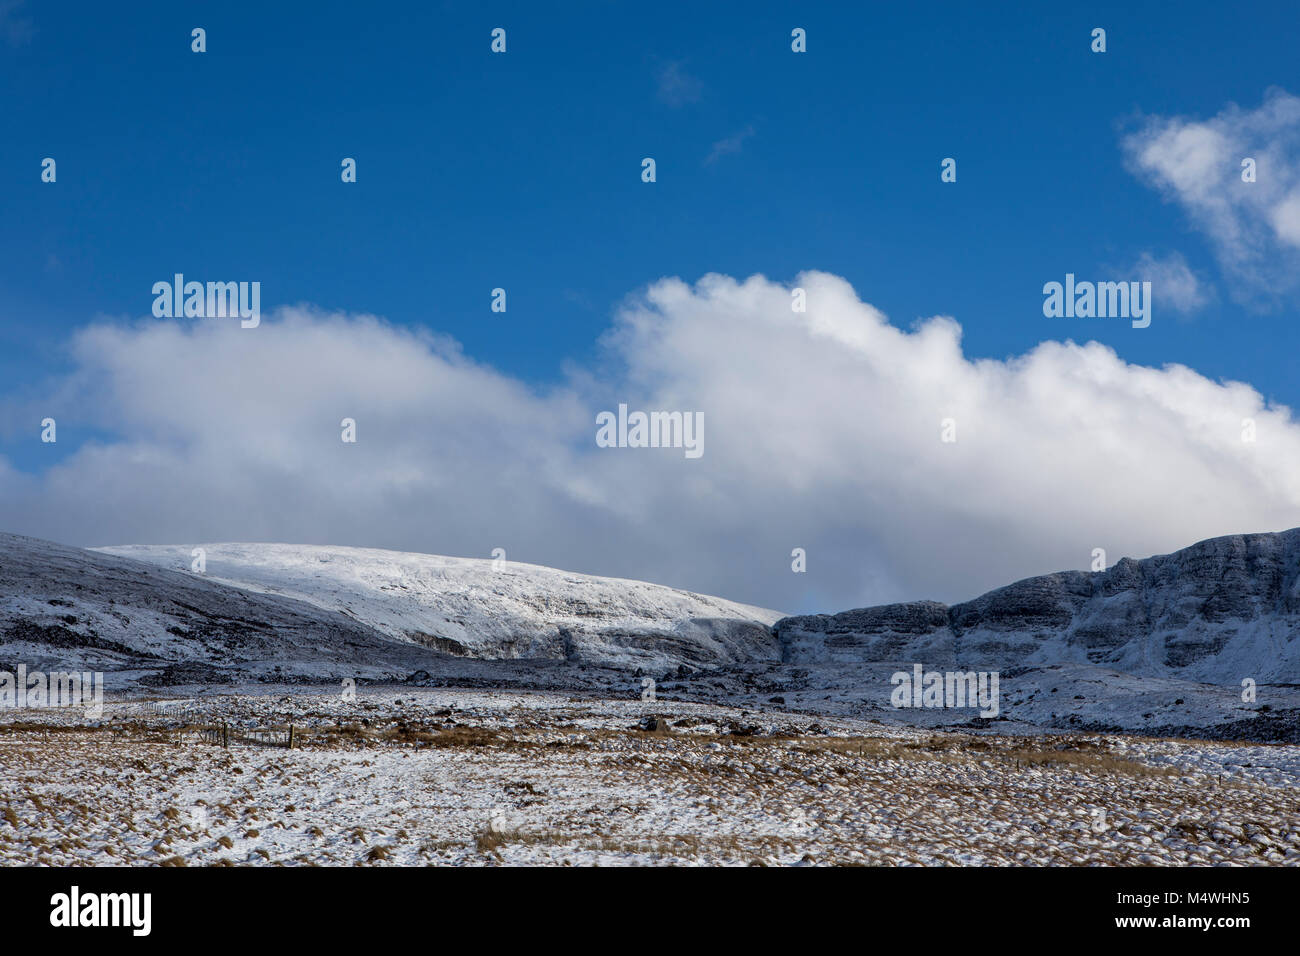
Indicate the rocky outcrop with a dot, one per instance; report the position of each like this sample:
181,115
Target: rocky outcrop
1225,608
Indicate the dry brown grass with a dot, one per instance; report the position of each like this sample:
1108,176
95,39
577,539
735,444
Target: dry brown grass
678,846
352,736
1076,753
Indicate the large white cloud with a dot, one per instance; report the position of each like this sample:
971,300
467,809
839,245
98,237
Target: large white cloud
1254,226
822,431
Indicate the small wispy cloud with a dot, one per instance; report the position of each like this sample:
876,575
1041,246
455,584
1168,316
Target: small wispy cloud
732,144
16,28
676,86
1173,283
1237,176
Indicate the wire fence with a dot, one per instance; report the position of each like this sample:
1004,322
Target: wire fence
196,724
224,735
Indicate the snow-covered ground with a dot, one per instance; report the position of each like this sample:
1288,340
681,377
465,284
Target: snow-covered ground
1073,697
488,608
444,776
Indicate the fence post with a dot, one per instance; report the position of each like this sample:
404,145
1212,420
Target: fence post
291,736
225,735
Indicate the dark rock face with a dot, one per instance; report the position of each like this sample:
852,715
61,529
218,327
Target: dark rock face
1223,608
918,617
1048,602
444,644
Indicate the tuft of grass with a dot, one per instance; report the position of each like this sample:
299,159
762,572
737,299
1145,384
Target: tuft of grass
490,840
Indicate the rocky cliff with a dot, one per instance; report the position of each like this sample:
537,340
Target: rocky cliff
1221,610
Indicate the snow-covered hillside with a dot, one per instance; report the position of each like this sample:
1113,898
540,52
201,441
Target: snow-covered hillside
1219,611
69,609
485,609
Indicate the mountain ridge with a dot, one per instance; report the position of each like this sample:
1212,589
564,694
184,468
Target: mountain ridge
491,610
1227,602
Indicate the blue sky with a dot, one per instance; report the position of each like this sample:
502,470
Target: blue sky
522,170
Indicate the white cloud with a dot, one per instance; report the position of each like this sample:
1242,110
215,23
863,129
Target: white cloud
728,145
15,27
676,86
1254,227
1173,283
821,432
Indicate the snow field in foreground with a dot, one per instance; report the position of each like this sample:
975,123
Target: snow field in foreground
471,777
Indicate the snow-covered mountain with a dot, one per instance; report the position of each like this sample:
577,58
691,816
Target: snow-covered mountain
1219,611
65,608
1201,642
1160,645
490,610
